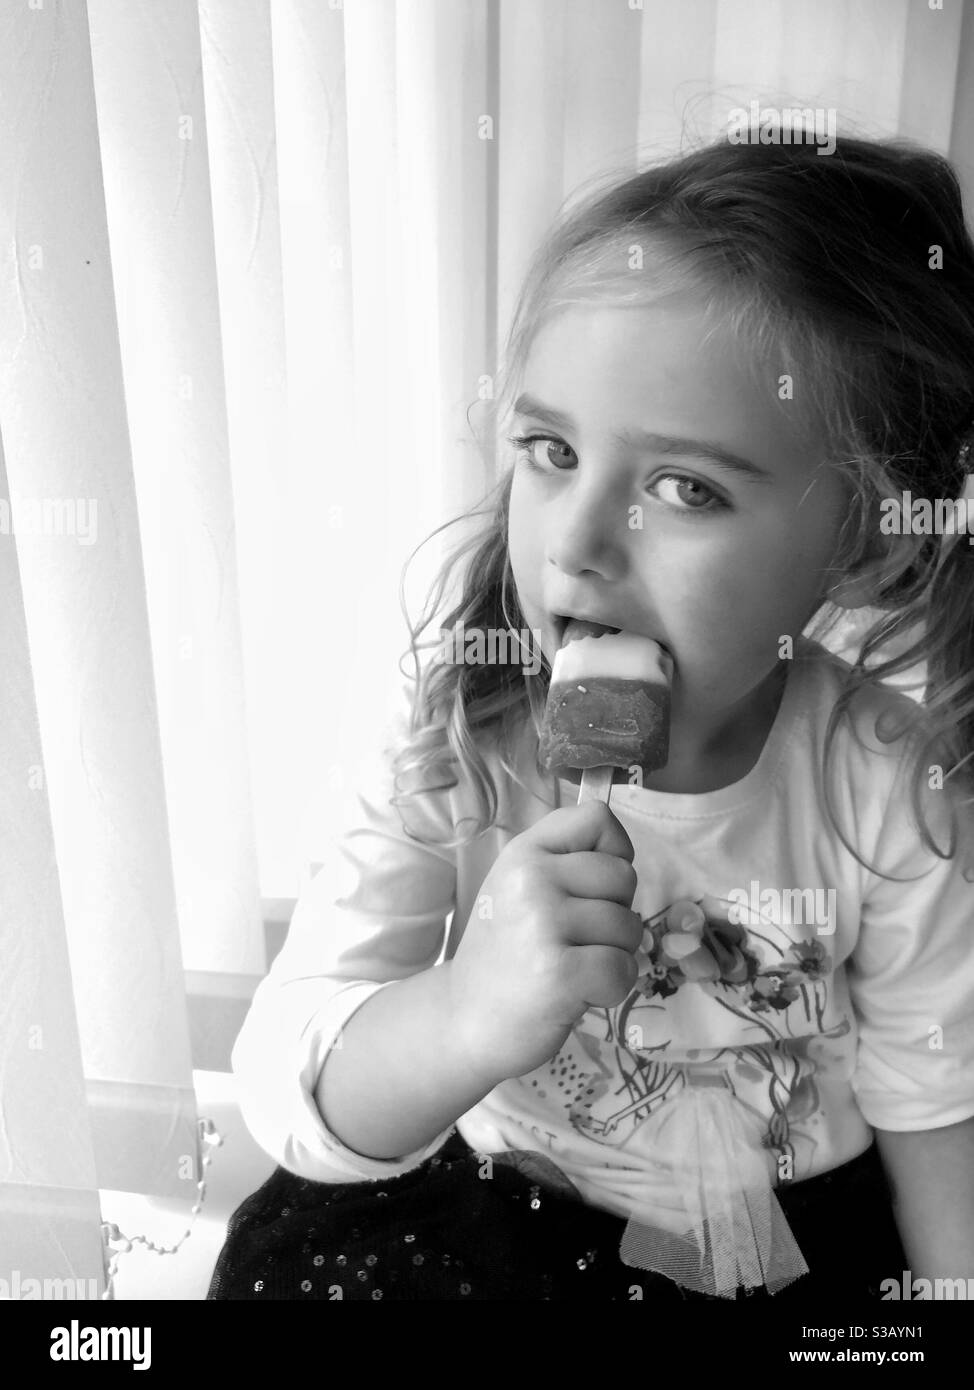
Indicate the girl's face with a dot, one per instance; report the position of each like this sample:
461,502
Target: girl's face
630,411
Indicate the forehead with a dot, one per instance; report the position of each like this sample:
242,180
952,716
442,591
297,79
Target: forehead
671,368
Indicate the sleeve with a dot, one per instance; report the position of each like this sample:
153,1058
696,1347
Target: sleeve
911,974
375,912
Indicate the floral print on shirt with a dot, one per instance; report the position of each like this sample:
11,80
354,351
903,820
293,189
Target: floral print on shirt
751,1001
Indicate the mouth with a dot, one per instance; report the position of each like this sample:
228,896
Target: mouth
588,627
581,627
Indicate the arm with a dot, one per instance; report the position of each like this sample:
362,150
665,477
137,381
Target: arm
398,1077
931,1172
911,980
371,922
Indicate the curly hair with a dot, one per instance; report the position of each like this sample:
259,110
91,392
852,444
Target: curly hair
855,271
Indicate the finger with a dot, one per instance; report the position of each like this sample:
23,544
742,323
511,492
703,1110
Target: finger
585,923
602,976
592,874
591,826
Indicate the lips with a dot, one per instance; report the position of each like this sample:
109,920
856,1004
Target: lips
591,627
569,628
576,628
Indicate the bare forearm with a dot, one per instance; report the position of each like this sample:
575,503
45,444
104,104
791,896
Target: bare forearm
932,1175
399,1077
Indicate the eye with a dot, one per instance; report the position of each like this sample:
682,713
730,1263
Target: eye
524,444
690,494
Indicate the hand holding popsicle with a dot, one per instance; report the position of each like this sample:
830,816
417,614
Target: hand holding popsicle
559,938
608,706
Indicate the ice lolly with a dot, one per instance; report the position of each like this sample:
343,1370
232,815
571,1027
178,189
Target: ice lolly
608,706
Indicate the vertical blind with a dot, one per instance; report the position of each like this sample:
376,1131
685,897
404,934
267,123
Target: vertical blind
257,261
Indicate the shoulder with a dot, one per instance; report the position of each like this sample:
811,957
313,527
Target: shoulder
881,721
859,744
884,769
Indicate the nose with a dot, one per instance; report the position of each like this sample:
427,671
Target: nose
588,533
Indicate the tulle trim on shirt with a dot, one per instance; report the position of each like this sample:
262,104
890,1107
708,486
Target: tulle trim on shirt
725,1229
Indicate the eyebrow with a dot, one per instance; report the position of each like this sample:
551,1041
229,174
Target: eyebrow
649,441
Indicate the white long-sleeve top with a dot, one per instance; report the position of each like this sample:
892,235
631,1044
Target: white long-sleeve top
827,998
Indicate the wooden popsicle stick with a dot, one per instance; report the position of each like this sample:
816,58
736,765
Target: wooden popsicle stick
596,784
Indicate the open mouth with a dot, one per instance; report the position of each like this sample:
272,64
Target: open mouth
573,629
568,629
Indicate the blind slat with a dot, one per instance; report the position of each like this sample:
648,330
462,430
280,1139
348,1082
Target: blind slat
63,415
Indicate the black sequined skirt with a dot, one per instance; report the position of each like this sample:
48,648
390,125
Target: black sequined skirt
460,1228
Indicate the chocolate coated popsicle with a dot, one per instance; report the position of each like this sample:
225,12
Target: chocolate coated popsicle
608,705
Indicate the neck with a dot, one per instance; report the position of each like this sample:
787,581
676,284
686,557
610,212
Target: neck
706,759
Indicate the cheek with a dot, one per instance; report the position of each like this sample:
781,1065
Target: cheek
757,589
523,540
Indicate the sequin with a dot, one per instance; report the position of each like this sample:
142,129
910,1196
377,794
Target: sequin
285,1211
371,1259
376,1293
362,1275
258,1285
464,1288
382,1194
445,1259
582,1264
417,1259
319,1260
305,1285
409,1239
341,1259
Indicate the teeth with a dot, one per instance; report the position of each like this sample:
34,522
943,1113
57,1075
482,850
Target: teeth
577,628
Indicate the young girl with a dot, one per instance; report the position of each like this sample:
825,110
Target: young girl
714,1038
